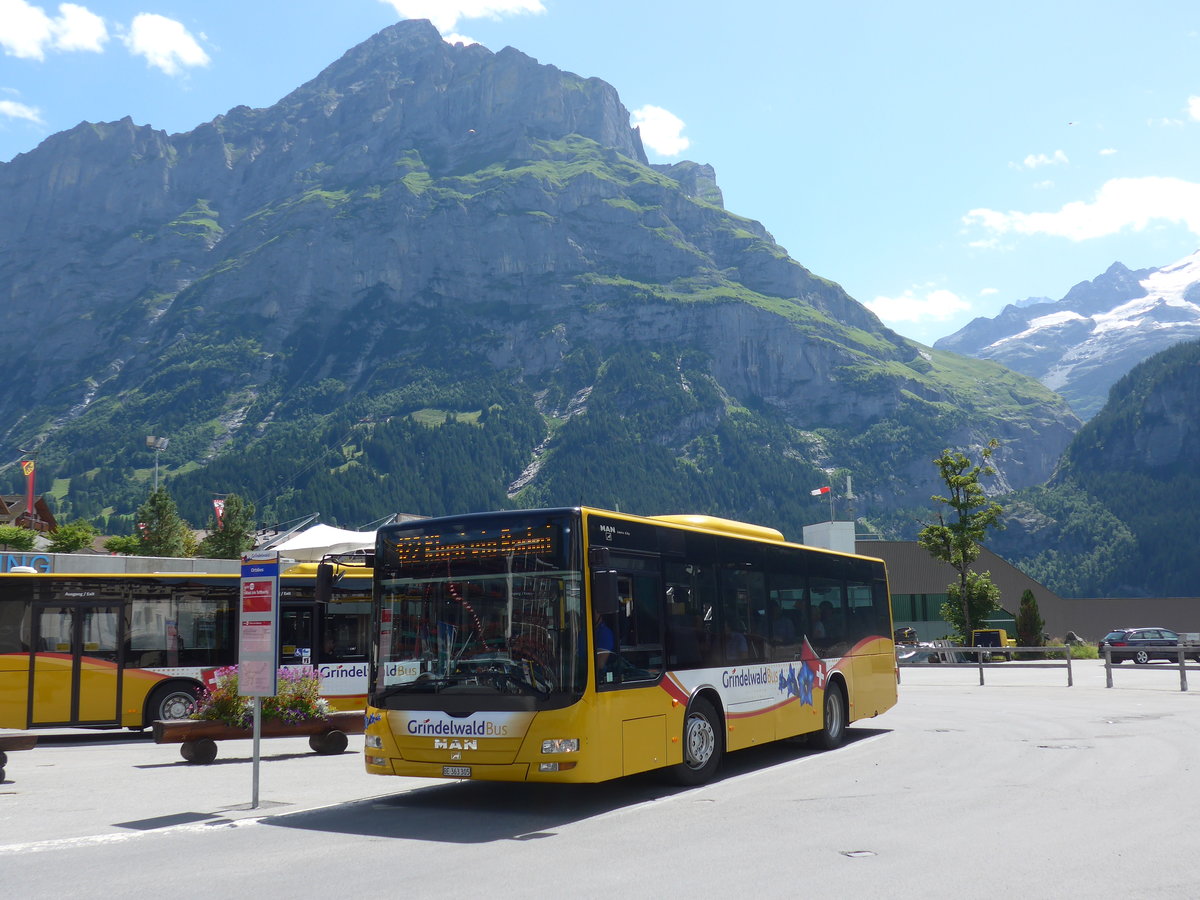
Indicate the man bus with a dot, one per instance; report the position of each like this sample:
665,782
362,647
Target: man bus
584,645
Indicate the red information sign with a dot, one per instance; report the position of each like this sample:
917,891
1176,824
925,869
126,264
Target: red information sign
258,645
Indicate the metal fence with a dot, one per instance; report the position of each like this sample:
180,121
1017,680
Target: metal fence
952,656
1179,651
949,654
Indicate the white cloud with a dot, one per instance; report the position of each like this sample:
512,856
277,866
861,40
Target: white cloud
1120,203
444,14
11,109
1036,160
1193,108
78,28
164,42
923,303
1108,151
455,38
28,30
661,130
987,292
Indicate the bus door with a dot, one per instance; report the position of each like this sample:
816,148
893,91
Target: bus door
77,663
297,633
637,626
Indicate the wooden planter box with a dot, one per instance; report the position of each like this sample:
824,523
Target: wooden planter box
11,742
198,738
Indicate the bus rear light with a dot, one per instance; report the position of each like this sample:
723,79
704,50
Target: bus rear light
561,745
376,761
555,767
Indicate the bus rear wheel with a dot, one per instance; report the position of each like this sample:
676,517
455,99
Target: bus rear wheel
175,701
703,744
833,726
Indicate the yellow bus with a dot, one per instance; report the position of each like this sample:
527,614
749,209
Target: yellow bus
118,649
580,645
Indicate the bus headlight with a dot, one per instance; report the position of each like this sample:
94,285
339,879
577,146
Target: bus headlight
561,745
374,741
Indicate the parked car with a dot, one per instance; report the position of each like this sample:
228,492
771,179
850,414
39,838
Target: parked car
1144,644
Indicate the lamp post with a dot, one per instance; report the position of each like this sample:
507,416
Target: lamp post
158,445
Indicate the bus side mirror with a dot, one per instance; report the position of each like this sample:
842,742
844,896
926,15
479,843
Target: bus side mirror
605,596
323,592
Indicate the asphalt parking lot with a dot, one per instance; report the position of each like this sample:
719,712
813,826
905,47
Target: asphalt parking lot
116,783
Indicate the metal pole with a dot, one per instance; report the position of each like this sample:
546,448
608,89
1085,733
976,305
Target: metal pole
1070,677
1182,670
257,736
1107,665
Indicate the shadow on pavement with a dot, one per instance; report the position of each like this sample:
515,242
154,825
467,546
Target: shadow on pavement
470,812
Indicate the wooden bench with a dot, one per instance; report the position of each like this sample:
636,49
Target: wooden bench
198,737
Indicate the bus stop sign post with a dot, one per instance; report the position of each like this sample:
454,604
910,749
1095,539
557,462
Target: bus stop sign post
258,646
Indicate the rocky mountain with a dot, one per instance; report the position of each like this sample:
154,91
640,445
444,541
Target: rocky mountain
1118,518
1080,345
437,278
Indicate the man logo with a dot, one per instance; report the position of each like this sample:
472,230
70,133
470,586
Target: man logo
443,744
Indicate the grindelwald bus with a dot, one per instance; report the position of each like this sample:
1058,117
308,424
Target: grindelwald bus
119,649
584,645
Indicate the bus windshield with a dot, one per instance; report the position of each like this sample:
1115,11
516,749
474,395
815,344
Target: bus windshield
485,613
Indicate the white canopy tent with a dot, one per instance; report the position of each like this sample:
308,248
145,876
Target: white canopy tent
313,543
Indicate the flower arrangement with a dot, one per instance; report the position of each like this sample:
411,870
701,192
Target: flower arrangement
298,699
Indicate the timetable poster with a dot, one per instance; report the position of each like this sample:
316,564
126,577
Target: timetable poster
257,639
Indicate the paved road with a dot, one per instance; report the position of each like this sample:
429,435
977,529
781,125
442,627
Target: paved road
1022,785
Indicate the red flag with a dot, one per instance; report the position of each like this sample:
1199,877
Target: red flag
27,466
819,491
218,509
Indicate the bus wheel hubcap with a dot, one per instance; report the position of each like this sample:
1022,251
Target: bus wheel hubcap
700,741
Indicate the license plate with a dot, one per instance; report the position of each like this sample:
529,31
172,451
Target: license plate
456,771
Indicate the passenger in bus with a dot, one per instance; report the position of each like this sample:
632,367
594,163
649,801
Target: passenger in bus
780,627
735,641
824,626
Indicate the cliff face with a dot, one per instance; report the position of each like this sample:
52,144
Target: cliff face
426,227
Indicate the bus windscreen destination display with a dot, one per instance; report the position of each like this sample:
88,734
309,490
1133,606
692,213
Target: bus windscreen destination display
473,546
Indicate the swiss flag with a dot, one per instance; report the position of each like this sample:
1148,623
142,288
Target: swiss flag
819,491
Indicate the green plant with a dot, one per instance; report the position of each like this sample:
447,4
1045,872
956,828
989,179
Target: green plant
15,538
72,536
298,699
960,541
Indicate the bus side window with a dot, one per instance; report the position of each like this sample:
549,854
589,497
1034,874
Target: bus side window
640,642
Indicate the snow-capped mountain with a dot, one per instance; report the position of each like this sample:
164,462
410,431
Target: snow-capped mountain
1080,345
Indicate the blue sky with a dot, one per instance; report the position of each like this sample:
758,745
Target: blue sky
937,159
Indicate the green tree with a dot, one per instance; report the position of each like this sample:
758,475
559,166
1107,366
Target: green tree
14,538
958,542
163,532
125,544
72,536
233,534
982,599
1029,621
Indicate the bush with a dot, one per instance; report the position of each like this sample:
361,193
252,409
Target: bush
298,699
1078,651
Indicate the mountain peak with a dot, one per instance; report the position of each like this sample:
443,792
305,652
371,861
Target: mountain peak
1080,345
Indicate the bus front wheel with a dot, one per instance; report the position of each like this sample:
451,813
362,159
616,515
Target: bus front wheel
833,726
703,744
